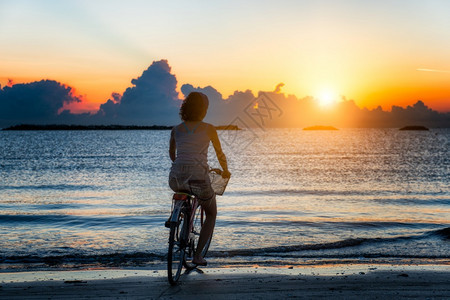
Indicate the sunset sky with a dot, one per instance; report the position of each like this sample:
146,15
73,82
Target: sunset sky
375,52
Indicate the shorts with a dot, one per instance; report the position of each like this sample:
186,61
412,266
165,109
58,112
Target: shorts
191,179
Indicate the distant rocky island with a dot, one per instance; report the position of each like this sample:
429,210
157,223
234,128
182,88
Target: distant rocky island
414,127
320,127
102,127
228,127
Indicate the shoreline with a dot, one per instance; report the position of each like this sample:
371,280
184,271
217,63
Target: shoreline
263,282
221,263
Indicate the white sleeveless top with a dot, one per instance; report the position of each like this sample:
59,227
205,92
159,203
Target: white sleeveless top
192,145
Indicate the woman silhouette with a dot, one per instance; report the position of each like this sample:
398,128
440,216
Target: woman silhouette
189,142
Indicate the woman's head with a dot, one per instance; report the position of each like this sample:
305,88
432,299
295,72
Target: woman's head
194,107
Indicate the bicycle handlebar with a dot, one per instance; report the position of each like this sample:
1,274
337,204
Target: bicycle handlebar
216,170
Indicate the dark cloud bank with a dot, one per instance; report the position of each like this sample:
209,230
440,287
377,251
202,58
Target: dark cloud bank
153,100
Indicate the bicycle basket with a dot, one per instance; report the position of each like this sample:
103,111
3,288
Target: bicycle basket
218,183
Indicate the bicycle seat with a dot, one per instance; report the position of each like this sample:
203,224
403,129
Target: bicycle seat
181,196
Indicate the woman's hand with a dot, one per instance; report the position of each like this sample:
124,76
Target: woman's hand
226,174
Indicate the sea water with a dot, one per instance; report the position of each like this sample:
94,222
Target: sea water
100,198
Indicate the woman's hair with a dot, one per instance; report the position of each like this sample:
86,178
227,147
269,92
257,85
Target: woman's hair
194,107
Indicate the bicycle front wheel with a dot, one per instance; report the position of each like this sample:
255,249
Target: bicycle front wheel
194,236
200,217
177,246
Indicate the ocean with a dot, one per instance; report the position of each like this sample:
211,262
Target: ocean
82,199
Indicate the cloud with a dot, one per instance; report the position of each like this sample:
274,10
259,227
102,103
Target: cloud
434,70
419,114
278,87
222,111
35,102
152,99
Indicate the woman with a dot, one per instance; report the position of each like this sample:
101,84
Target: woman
189,142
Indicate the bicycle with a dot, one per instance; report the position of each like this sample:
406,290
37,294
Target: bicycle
185,224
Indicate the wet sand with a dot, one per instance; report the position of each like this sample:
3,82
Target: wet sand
336,282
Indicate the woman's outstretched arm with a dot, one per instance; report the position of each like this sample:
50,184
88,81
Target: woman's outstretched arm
172,145
218,148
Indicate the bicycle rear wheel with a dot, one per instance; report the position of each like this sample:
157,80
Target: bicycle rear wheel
178,237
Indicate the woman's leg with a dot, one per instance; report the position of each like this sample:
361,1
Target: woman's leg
207,229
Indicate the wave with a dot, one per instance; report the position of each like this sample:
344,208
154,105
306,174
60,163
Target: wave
443,234
143,219
322,224
81,221
284,192
324,192
71,187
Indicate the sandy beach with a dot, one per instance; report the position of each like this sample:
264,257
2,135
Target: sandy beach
337,282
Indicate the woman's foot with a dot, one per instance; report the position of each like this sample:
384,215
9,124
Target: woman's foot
199,261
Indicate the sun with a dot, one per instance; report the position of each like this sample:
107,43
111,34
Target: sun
327,97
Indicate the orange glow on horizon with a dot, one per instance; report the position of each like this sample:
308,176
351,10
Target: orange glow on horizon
433,94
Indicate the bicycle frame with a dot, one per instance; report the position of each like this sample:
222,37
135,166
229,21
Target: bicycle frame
192,204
